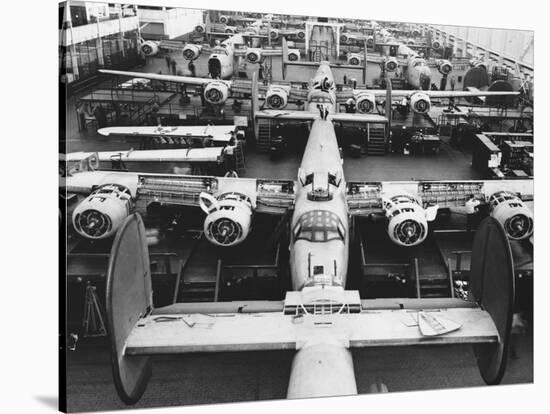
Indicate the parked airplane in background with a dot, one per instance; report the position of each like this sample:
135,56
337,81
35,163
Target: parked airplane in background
320,180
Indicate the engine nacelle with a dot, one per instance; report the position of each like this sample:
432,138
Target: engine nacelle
149,48
224,19
513,214
274,34
478,63
444,67
370,40
354,59
277,97
365,103
344,37
192,52
420,103
436,44
230,29
301,34
216,93
293,55
102,212
410,42
416,32
200,28
390,64
228,218
407,220
253,55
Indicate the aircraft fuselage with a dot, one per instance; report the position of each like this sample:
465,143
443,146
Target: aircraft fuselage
320,237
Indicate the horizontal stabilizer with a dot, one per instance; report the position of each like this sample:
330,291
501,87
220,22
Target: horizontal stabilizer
161,333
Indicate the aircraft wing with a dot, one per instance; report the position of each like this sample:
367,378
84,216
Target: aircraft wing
289,115
264,52
406,93
366,197
269,196
189,80
208,154
175,329
215,132
355,117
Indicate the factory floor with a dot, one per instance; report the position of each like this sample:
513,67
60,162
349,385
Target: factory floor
252,376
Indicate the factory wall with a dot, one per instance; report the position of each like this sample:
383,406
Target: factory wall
167,23
517,44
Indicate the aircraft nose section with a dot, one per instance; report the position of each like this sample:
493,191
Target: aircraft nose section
425,80
214,68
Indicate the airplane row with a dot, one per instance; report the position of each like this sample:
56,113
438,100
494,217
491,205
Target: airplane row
217,89
319,318
320,187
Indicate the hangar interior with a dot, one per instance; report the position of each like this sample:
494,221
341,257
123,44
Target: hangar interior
299,169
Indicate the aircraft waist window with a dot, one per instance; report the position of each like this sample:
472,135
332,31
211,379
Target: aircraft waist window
319,226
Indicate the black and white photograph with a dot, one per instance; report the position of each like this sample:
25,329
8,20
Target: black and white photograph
260,205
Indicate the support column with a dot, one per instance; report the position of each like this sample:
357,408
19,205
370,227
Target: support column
68,25
99,46
121,33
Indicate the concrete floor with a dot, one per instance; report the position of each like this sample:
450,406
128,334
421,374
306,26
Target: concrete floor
252,376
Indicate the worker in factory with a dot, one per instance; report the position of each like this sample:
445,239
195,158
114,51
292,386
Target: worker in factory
191,67
229,151
472,212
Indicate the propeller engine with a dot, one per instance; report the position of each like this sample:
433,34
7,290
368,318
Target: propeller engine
365,103
149,48
224,19
200,28
102,212
228,217
191,52
478,63
513,214
444,67
293,55
276,97
410,42
407,220
420,103
390,64
370,40
436,44
301,34
274,34
216,93
230,29
253,55
343,37
354,59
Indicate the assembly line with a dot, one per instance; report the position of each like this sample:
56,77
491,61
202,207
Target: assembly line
313,190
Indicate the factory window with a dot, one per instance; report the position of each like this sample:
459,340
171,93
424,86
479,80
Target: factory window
319,226
86,54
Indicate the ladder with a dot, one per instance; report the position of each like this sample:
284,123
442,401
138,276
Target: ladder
376,140
92,323
264,136
240,166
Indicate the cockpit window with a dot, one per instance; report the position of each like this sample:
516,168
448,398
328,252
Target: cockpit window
220,51
319,226
321,99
